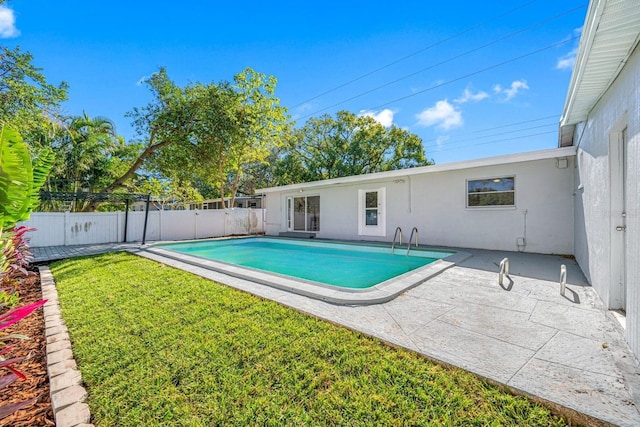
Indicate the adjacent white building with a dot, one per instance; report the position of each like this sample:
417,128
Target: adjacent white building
581,198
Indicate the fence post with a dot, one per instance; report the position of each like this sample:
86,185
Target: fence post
146,218
66,224
126,219
195,223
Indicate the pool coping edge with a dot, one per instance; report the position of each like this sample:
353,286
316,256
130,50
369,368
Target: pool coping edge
381,293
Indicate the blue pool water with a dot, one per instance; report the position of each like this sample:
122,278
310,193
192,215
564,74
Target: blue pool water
343,265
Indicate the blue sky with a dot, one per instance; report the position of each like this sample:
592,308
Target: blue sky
465,77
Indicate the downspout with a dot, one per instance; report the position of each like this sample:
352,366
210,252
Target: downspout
409,192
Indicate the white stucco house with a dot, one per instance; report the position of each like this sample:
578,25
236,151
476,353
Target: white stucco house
581,198
601,119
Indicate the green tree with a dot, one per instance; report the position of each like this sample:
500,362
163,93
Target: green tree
89,157
346,145
231,126
165,120
27,101
168,192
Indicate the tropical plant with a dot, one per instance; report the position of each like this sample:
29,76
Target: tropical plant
20,182
9,299
15,257
89,156
7,320
21,177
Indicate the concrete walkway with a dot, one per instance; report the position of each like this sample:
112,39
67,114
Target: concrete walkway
566,351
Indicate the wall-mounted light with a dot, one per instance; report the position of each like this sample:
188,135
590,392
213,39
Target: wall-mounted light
562,163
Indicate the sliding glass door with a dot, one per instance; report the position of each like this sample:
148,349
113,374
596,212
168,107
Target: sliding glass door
303,213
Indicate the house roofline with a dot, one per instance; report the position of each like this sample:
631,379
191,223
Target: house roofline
445,167
610,35
589,29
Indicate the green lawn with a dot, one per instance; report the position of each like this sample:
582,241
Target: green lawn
159,346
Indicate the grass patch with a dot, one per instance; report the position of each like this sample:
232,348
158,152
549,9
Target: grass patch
159,346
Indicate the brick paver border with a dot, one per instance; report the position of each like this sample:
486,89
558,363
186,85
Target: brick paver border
65,381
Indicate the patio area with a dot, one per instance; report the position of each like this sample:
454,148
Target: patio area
564,350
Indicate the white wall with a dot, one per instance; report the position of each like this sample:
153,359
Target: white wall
65,229
436,204
595,219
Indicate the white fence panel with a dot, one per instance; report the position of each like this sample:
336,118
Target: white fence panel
90,228
210,223
177,225
244,221
135,226
50,229
60,229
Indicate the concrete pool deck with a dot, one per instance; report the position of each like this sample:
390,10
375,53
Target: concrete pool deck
565,350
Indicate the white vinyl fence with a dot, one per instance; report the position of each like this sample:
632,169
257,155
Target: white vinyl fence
66,229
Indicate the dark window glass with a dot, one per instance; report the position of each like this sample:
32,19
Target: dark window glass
491,192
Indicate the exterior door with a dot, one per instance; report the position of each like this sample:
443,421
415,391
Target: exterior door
618,168
372,212
303,213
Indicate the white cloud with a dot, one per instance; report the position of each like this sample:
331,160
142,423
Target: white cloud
443,114
516,86
567,61
7,23
467,96
509,93
384,117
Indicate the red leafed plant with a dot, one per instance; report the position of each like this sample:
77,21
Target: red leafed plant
6,320
15,256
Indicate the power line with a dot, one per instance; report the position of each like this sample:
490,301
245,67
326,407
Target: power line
516,123
474,27
491,67
497,140
505,37
490,135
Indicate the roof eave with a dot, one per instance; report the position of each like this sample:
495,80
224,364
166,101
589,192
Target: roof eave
401,173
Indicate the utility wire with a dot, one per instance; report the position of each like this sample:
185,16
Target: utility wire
491,67
489,136
516,123
497,140
411,55
450,59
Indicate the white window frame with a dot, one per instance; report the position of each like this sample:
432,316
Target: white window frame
466,184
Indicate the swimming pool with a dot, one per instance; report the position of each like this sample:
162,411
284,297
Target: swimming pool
343,265
338,272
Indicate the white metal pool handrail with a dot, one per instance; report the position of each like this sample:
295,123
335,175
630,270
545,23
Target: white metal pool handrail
411,237
563,279
504,270
393,245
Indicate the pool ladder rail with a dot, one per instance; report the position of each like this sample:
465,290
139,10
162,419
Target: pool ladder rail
398,233
393,245
411,237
